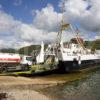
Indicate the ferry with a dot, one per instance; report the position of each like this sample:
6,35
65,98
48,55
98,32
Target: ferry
74,55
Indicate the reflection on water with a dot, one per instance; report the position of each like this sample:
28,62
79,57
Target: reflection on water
85,89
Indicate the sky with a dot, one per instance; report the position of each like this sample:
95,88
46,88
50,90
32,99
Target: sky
26,22
22,9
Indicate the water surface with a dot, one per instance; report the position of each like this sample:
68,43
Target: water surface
84,89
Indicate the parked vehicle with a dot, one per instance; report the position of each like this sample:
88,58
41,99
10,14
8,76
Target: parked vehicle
13,62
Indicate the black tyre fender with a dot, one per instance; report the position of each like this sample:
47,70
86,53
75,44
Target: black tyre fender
66,67
75,64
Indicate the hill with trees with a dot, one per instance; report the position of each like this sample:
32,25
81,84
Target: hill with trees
28,49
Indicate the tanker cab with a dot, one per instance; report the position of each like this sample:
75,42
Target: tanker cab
26,60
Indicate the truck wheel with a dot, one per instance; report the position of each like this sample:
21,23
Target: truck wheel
26,68
4,70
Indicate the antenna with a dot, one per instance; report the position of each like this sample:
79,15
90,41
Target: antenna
62,25
63,6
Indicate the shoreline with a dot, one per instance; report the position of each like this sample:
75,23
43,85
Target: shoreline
22,95
25,85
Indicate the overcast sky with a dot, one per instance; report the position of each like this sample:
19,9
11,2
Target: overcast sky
25,22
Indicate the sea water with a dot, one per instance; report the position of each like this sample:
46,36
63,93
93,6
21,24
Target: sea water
84,89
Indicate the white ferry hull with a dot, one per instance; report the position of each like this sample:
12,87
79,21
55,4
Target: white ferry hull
77,62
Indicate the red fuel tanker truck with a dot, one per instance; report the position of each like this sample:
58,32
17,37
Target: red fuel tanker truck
13,62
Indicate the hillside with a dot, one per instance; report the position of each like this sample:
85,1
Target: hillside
8,50
28,49
96,45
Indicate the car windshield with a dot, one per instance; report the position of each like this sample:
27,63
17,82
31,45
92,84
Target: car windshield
29,58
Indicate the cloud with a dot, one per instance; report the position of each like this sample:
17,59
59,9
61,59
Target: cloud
33,12
17,2
86,13
47,19
14,33
0,6
14,44
46,22
97,37
7,22
30,33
